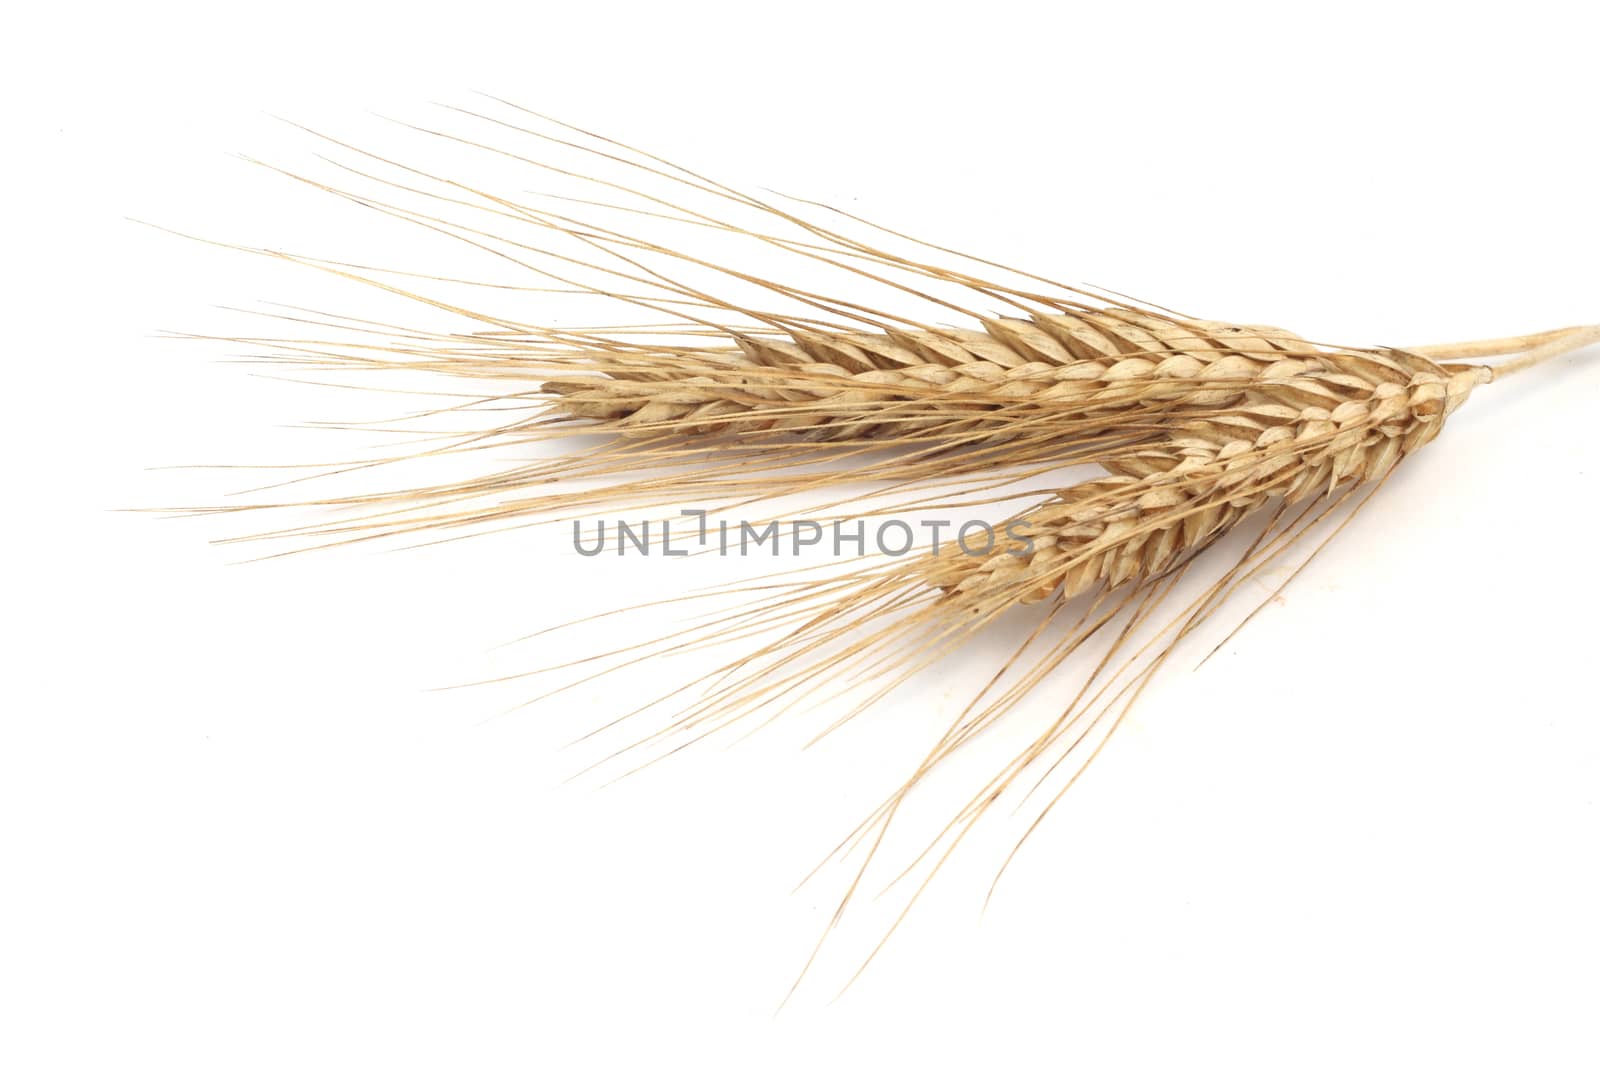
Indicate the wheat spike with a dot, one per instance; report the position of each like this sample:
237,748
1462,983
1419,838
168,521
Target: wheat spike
1119,529
782,388
1049,371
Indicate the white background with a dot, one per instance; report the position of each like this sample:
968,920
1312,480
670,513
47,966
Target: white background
238,827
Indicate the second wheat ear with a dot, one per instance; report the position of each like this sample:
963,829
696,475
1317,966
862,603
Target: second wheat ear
970,380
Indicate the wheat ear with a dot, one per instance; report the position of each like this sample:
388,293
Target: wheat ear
1047,372
1118,529
784,387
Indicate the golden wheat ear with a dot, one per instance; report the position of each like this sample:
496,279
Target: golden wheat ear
1032,373
715,383
696,427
